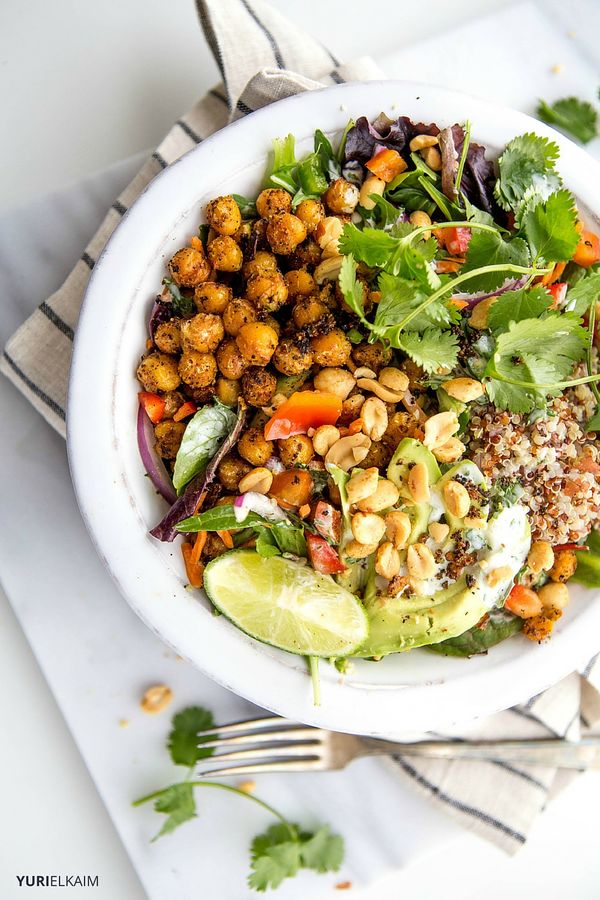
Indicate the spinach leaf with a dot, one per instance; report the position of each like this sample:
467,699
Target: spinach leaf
219,518
280,538
500,625
247,207
181,305
201,440
588,564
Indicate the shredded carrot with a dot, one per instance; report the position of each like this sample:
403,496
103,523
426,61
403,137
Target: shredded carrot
458,303
444,266
226,538
196,243
355,426
194,569
201,500
198,545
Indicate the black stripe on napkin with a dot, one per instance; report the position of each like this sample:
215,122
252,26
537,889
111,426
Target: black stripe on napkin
56,320
214,93
189,131
58,410
119,207
267,34
160,160
456,804
87,259
335,76
243,108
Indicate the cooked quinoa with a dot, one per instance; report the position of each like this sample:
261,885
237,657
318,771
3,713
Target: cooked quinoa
548,458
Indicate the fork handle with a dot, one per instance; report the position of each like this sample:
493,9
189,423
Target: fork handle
556,753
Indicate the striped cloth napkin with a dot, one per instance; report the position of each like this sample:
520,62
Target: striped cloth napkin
263,58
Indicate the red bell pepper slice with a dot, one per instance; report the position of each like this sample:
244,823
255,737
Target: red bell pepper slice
303,410
322,556
328,521
186,409
558,292
154,406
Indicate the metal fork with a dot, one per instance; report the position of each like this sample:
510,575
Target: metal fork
277,745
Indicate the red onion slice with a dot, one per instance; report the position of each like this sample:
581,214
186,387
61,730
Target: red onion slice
152,464
513,284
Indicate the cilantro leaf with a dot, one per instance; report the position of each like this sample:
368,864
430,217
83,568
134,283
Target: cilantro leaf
594,422
183,739
275,855
322,851
516,305
526,159
247,207
431,350
581,296
181,305
371,245
487,248
537,354
351,287
399,297
551,229
575,116
177,802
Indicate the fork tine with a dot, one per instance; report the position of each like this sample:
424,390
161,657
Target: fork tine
266,722
289,765
268,752
264,737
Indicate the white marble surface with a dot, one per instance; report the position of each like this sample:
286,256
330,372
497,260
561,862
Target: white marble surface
57,822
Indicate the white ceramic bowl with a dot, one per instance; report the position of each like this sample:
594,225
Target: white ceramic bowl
404,693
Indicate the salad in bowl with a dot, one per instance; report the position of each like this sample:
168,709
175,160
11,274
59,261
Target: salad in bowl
369,396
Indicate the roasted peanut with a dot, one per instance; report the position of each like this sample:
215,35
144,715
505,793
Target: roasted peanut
359,551
258,480
464,389
422,141
420,562
387,561
384,393
419,219
156,699
325,437
362,484
452,450
328,270
394,379
456,498
397,528
418,483
433,158
329,229
439,531
479,316
440,428
336,381
385,495
540,557
348,451
554,595
374,418
371,185
367,528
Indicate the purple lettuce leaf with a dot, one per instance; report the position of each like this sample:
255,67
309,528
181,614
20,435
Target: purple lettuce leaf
393,134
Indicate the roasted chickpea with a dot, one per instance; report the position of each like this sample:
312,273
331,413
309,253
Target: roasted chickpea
379,455
168,436
189,267
261,262
258,386
158,372
253,447
257,342
228,390
307,311
295,451
214,546
268,291
167,336
202,332
212,297
300,283
308,253
230,361
342,196
332,349
173,400
237,313
291,358
273,201
310,213
225,254
373,356
351,408
285,232
272,322
231,470
197,369
223,214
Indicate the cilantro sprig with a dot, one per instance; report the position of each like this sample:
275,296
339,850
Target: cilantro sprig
279,852
576,117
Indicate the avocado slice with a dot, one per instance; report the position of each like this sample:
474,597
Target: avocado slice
408,452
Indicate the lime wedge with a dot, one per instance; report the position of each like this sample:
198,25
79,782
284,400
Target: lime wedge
286,604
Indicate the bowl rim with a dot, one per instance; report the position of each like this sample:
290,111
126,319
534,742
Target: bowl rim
356,707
